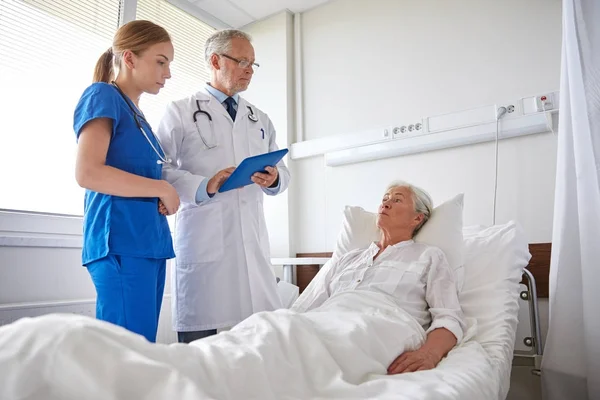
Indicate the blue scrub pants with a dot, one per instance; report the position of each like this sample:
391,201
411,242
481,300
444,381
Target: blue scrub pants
129,292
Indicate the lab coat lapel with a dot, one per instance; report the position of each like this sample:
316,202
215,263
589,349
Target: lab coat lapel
213,104
242,111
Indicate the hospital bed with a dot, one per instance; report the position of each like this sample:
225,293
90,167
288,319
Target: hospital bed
122,363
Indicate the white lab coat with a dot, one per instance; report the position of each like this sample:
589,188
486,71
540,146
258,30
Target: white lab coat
223,272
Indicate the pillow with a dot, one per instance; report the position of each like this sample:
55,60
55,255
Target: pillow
443,230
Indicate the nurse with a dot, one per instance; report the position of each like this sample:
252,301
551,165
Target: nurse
126,237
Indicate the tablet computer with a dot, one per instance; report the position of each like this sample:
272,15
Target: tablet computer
242,175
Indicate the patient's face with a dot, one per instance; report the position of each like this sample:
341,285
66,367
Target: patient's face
397,210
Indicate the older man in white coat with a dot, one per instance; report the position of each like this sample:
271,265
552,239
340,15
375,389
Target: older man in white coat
223,272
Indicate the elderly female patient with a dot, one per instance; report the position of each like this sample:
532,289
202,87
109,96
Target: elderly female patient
415,276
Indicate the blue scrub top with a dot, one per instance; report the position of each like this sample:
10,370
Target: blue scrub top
127,226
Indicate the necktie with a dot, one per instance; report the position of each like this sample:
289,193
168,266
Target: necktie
230,102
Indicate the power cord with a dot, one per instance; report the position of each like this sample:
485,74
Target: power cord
499,114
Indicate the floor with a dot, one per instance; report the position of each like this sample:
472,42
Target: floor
524,385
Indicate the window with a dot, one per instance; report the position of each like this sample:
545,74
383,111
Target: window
188,70
49,49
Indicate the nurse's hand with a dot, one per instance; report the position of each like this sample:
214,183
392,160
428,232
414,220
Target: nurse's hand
266,180
216,181
161,208
170,198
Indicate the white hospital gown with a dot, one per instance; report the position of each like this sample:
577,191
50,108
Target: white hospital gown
415,276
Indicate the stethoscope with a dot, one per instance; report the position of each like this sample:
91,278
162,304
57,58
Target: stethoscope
199,110
162,158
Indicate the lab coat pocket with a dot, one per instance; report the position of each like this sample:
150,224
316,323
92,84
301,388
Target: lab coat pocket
258,140
199,234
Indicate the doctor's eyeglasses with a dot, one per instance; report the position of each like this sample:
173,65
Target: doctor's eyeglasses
241,63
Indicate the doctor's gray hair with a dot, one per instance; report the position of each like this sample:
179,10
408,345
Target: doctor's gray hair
220,42
422,200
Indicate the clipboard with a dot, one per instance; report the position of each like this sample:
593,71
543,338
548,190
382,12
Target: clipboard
242,175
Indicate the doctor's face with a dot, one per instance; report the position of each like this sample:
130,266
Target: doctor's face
233,77
151,68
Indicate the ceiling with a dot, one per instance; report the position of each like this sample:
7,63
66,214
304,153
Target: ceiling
237,13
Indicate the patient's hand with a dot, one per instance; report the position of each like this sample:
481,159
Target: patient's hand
411,361
439,342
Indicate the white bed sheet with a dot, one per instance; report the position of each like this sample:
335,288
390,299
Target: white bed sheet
334,353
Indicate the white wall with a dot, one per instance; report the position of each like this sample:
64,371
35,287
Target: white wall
271,90
368,64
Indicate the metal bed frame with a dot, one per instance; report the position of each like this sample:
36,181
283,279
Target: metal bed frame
533,357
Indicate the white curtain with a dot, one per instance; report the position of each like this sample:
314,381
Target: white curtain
571,364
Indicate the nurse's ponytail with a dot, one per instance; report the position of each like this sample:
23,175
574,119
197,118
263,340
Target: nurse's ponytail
135,36
104,71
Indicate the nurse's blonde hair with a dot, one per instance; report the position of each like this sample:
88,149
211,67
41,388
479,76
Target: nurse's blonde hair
135,36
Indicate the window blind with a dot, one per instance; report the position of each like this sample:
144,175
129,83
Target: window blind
49,49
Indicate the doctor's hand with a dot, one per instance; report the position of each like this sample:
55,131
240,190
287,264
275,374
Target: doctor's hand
266,180
169,200
411,361
216,181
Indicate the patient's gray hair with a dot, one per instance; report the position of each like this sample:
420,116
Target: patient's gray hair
422,200
220,43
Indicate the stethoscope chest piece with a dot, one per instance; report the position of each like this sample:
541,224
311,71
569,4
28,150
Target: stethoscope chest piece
251,116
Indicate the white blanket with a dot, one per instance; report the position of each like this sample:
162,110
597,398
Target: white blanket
334,352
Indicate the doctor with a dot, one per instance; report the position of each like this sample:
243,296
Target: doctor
223,272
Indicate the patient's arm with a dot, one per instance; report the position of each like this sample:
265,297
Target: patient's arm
439,342
447,320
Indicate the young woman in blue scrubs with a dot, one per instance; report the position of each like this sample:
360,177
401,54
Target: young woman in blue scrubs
126,237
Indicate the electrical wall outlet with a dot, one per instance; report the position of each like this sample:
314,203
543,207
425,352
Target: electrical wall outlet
408,130
399,131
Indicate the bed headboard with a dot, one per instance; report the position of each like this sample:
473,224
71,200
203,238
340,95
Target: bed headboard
539,265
